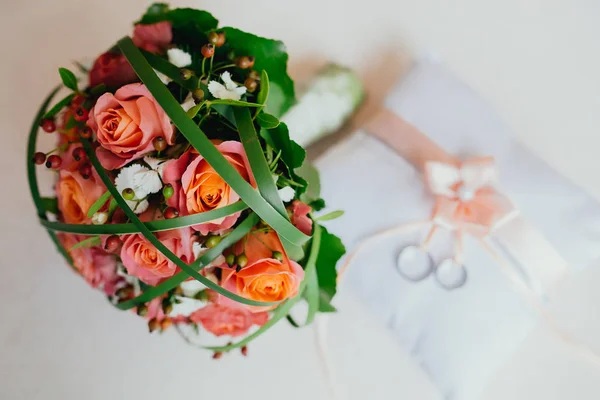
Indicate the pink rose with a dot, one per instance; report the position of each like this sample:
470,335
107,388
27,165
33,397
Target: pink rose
143,260
97,267
198,187
223,320
154,38
300,217
126,123
111,69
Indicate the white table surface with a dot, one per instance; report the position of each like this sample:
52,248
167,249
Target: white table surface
535,61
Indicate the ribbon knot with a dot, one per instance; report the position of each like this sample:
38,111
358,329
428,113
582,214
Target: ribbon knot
466,197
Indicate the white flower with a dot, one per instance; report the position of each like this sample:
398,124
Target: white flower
230,91
142,180
179,58
185,306
163,78
199,250
286,194
192,287
188,102
99,218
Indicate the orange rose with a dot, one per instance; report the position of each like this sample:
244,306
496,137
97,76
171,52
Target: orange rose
76,195
198,187
264,278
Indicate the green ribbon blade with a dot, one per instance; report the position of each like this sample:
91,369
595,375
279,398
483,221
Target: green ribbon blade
205,147
32,176
153,226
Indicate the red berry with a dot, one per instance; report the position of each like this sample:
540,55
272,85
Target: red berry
54,161
80,114
85,132
217,355
213,38
77,100
79,154
245,62
159,143
221,40
208,50
39,158
86,171
171,212
251,85
245,351
112,243
48,126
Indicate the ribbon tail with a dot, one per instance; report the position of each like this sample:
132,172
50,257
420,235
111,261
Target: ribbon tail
577,346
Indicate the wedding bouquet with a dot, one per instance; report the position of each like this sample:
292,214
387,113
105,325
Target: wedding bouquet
179,193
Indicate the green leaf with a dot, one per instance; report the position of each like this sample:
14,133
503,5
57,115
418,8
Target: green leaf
87,243
50,204
231,102
330,216
192,112
270,56
98,89
311,277
310,174
98,204
267,121
317,205
59,106
331,250
263,93
68,79
155,10
278,138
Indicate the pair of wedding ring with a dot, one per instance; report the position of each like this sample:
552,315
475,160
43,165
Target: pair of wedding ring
415,263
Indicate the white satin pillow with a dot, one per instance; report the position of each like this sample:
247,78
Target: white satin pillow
458,337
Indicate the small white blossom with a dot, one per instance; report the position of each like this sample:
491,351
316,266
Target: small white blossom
142,180
188,102
192,287
179,58
185,306
99,218
286,194
229,91
163,78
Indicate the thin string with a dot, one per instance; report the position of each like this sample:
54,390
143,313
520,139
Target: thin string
577,346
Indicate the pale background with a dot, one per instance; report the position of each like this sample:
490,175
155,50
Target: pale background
536,61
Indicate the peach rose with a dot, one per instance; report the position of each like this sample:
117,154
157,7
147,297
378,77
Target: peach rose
223,320
126,123
300,218
143,260
97,267
264,278
198,187
154,38
76,195
111,69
